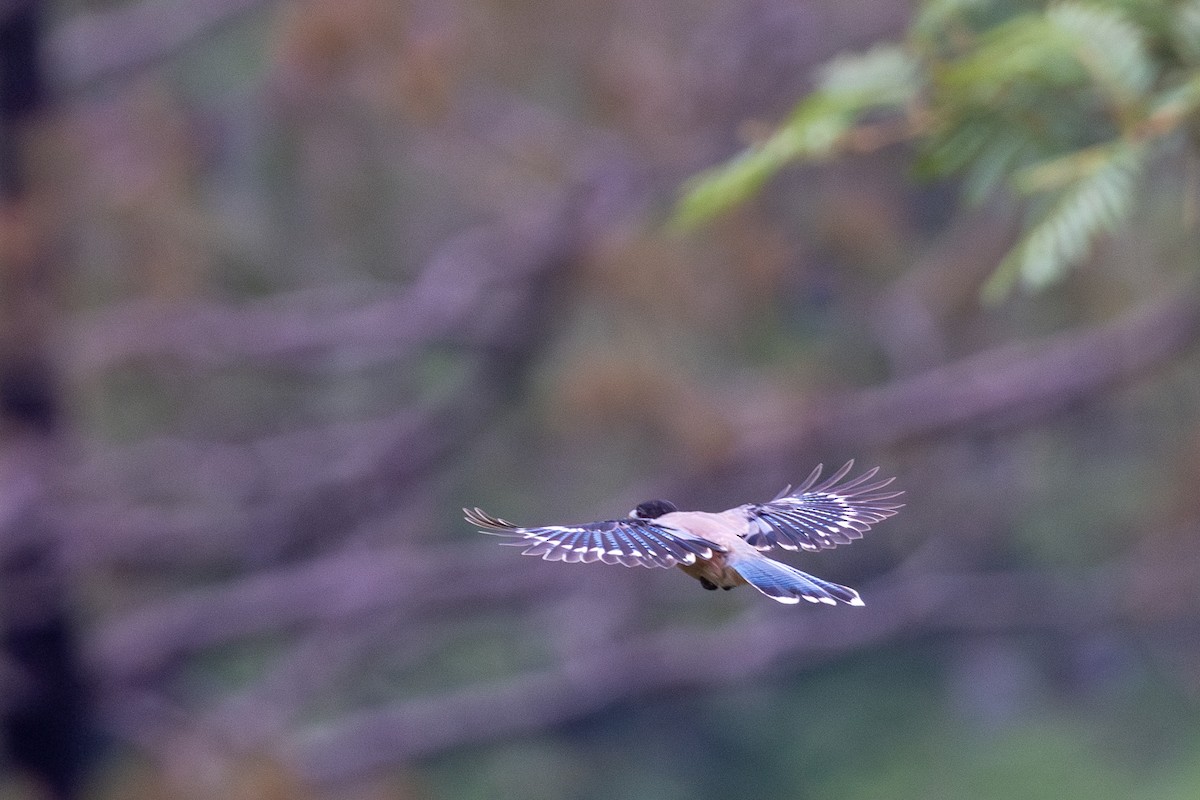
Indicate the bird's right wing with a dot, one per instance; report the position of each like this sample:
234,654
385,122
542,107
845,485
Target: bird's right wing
819,517
632,542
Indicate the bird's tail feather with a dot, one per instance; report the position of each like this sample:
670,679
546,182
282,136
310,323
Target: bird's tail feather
789,585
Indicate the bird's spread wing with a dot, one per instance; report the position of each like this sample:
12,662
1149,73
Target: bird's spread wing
632,542
820,517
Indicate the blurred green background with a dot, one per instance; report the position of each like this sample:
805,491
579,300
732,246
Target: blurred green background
287,284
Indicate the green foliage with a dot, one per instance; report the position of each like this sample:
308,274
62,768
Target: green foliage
848,87
1095,198
1066,105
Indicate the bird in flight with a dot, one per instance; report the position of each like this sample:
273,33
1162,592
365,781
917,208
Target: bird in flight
724,549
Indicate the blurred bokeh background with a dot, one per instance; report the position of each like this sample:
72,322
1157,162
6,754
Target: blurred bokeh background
287,284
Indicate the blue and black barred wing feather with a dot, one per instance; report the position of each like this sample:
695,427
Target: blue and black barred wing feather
632,542
821,517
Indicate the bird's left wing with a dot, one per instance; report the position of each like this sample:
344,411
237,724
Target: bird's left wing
632,542
820,517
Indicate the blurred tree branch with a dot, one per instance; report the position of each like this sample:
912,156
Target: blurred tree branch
756,644
1013,384
495,283
98,46
1018,383
466,297
338,588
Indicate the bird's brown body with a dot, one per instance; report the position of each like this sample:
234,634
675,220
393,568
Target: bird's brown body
712,572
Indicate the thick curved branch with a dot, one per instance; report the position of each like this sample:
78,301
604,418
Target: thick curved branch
1017,383
337,589
464,297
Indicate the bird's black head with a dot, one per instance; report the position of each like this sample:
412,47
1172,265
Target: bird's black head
653,509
